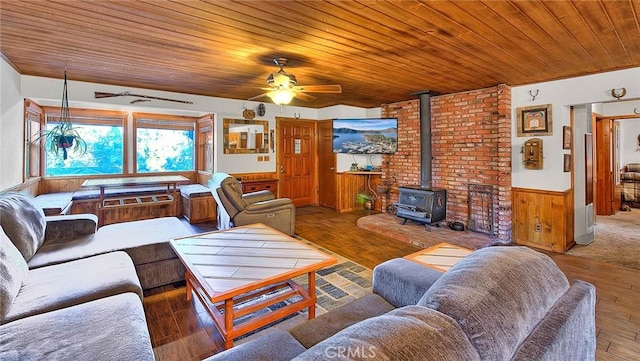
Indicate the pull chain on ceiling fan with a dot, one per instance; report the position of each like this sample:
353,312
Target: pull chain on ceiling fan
283,87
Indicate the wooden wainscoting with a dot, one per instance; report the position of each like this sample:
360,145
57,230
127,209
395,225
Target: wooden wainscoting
543,219
72,184
350,184
30,186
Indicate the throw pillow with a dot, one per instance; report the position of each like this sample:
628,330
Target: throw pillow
23,222
13,271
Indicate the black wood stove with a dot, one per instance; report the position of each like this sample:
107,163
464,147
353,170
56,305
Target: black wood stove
424,205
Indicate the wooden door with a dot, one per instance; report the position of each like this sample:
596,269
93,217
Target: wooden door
616,185
608,197
603,167
296,160
327,192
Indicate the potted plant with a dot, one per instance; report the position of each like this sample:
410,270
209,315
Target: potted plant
63,135
366,200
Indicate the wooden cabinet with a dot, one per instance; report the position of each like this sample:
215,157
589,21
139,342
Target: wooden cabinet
543,219
260,185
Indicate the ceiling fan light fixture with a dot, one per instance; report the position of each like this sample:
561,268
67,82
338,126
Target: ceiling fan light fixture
281,96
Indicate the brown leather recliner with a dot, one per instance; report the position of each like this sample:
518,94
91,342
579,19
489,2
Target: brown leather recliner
237,209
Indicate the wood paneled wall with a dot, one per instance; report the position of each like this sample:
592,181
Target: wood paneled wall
543,219
72,184
349,185
30,186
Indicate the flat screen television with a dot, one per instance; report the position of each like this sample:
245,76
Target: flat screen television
365,135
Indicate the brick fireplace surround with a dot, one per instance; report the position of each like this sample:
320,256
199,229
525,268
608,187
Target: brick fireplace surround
471,143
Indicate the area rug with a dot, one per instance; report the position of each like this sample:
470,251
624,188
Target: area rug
417,234
335,286
617,240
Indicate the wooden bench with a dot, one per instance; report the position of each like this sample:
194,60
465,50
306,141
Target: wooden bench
198,204
197,201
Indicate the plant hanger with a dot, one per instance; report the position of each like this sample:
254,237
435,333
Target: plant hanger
63,135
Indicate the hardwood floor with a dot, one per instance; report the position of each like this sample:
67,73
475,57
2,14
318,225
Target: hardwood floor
182,330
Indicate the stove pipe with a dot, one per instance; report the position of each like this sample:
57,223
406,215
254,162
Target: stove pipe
426,177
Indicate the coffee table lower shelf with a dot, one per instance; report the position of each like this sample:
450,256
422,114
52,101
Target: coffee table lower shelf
228,310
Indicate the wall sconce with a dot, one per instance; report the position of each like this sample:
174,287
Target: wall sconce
532,153
618,93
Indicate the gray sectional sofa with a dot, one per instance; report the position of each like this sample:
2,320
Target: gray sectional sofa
499,303
71,292
56,239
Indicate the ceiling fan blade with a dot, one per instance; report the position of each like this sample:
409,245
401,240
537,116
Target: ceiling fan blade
258,96
319,88
305,97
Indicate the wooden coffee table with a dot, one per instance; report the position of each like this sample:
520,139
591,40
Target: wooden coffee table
239,271
442,256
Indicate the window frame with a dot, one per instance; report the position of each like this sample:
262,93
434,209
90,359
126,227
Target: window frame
33,120
163,121
89,117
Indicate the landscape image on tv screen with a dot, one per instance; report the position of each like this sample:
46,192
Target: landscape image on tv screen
365,136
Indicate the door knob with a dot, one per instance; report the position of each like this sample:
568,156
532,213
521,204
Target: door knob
332,168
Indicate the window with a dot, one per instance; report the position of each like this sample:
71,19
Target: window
164,143
103,131
205,143
34,116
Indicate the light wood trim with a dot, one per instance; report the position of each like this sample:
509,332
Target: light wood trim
83,112
32,109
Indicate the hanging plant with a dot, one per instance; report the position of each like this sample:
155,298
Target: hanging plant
63,136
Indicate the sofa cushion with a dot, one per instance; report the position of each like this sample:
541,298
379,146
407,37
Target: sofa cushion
145,241
402,282
568,331
407,333
633,167
498,295
631,176
194,191
111,328
277,345
13,271
55,203
67,284
23,222
326,325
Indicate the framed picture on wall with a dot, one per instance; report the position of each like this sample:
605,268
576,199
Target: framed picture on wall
567,163
534,120
567,137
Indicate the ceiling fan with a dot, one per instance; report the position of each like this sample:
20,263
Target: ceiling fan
283,87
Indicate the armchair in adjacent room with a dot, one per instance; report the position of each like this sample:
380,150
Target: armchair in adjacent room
237,209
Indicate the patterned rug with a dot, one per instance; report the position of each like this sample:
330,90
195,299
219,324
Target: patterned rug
335,286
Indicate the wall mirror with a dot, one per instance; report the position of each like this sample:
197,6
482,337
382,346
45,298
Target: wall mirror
245,136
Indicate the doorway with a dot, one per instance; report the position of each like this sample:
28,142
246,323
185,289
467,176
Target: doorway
296,144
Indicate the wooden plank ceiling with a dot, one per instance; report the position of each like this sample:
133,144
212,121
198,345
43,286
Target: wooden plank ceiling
379,51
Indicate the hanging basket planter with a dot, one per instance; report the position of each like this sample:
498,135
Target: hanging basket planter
62,135
65,141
